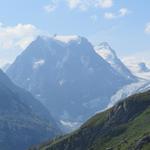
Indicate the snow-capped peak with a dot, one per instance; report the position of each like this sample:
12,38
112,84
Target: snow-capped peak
108,54
105,51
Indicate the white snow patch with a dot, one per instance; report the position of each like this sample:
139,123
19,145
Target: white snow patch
28,79
38,95
106,54
67,39
38,63
61,82
70,125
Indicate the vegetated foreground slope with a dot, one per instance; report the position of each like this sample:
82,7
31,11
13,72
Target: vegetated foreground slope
126,126
23,120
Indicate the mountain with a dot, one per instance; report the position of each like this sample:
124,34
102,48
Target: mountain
143,67
67,76
126,126
108,54
23,120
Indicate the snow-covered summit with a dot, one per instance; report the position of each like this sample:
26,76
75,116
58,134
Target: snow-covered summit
67,38
63,39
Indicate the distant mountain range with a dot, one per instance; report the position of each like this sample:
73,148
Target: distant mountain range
69,77
126,126
138,67
24,121
143,67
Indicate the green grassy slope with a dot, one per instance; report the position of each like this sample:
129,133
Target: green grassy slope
126,126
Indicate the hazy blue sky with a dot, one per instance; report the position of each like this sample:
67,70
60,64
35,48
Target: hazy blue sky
125,24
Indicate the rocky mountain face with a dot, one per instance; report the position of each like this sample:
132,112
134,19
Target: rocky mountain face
24,121
67,76
122,127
